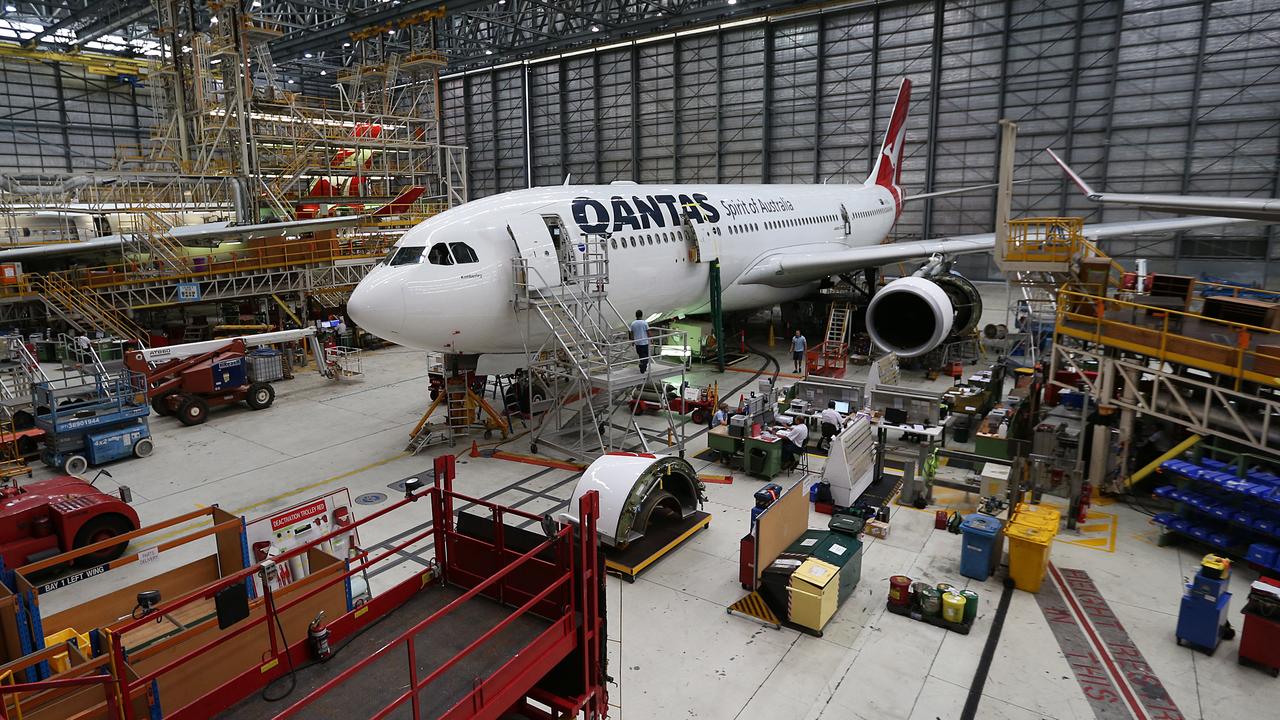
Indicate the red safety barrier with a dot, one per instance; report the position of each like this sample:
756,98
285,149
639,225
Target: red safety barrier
559,579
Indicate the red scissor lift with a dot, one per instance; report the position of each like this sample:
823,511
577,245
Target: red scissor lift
505,623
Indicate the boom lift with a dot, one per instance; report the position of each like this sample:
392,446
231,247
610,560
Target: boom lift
189,386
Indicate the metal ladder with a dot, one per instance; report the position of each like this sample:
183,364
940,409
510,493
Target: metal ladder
838,323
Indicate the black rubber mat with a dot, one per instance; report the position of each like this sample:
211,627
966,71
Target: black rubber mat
380,682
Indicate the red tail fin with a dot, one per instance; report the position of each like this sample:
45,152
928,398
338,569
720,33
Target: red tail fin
402,201
888,169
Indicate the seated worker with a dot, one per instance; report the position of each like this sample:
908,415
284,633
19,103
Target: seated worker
793,441
830,420
721,417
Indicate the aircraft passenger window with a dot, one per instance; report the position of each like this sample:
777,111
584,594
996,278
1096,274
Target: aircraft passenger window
462,253
439,255
613,242
408,255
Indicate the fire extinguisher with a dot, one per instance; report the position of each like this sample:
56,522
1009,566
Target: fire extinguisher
1086,498
318,639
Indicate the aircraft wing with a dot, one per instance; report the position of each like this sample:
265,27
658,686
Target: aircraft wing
212,234
203,235
787,269
1247,208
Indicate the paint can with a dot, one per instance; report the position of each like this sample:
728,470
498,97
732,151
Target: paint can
970,605
930,600
953,607
945,587
900,590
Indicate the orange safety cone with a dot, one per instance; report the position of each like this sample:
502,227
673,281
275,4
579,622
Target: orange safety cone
475,449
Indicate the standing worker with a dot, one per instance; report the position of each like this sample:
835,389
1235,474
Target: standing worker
799,344
640,335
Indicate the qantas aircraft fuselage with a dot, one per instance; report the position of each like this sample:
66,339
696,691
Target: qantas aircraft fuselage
449,284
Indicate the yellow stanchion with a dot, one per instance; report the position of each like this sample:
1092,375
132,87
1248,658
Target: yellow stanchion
772,340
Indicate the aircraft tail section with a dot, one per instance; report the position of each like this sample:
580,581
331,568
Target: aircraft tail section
888,168
402,201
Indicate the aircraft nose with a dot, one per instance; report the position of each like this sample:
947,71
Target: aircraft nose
377,304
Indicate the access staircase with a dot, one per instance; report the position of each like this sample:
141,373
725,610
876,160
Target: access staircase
84,311
578,349
156,239
831,356
18,372
1043,257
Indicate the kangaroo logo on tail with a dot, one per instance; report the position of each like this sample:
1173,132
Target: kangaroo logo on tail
888,168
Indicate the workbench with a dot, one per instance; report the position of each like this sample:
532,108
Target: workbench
729,447
762,457
991,445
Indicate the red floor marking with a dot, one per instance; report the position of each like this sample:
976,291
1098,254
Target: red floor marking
1117,677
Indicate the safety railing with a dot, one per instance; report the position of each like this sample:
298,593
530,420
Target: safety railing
555,578
1244,353
407,641
1047,240
266,257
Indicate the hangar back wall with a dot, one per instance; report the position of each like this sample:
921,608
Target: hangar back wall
1143,96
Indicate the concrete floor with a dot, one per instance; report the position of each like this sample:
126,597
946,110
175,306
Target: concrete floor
673,650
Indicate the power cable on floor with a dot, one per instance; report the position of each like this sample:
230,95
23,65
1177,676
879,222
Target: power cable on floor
970,710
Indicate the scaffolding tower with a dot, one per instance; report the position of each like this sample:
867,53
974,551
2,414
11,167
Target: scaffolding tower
582,360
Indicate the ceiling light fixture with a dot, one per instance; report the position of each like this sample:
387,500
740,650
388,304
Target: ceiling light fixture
488,52
595,28
306,55
324,72
10,8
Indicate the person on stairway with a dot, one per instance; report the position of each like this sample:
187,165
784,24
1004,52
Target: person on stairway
640,336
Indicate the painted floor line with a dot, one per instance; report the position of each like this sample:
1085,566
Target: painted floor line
1137,672
1100,688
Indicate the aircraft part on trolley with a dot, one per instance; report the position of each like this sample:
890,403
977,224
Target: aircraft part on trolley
637,490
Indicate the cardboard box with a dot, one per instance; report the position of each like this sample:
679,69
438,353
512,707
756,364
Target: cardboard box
877,528
813,594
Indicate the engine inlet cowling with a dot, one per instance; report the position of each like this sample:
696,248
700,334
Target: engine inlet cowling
913,315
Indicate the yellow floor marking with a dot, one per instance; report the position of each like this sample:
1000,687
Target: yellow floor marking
1094,535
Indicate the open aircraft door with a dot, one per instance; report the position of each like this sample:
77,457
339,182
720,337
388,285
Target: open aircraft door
537,240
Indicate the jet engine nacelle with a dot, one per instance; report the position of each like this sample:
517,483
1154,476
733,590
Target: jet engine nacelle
913,315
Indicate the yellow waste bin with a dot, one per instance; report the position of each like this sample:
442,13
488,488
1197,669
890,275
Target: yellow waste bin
1051,515
1028,555
1035,520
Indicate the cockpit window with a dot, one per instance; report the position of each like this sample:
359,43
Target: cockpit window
439,255
462,253
407,255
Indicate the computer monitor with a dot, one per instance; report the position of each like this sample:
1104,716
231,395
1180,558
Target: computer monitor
894,416
842,407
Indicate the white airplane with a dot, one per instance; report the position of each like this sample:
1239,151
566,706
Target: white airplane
1265,209
447,286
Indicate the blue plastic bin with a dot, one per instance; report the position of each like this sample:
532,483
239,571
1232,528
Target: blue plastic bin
983,545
